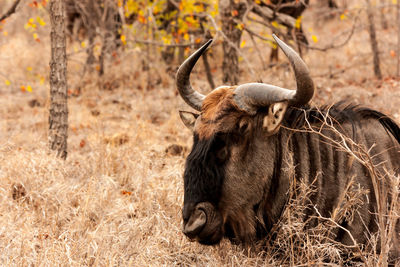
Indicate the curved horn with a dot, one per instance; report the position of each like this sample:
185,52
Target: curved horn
250,96
189,95
305,85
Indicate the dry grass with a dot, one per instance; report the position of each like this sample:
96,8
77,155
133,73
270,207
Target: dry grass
117,199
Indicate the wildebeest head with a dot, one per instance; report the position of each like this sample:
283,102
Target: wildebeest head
224,175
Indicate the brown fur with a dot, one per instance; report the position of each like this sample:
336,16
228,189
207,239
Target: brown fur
218,104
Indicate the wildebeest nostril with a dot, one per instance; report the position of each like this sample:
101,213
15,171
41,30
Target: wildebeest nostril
195,223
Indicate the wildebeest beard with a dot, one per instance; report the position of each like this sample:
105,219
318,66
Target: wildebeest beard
204,171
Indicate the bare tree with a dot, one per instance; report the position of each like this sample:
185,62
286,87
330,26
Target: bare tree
374,42
231,13
95,19
398,39
382,12
58,117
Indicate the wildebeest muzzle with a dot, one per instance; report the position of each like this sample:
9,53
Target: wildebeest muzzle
202,222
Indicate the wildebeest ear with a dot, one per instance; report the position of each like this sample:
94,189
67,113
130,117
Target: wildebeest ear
244,125
188,118
273,119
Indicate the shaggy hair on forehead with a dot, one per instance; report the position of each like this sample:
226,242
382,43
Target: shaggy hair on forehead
216,101
219,112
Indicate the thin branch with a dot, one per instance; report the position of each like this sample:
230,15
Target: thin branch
162,44
268,14
258,51
333,46
251,69
10,11
251,33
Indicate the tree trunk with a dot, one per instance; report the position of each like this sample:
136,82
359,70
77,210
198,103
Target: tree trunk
398,39
374,42
231,12
383,9
58,117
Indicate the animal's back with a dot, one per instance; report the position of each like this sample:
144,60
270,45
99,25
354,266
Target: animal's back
348,154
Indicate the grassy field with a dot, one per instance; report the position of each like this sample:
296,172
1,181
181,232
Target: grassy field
117,198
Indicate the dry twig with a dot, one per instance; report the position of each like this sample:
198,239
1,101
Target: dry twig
10,11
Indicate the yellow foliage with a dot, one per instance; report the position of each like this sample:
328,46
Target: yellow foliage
240,26
276,25
186,37
40,21
41,79
166,40
314,38
297,24
181,21
123,39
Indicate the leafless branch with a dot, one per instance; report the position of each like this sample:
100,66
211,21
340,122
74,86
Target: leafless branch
332,45
251,33
231,44
162,44
268,14
10,11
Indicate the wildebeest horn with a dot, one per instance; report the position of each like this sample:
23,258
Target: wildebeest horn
250,96
191,97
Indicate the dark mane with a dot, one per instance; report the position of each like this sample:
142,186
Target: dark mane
341,112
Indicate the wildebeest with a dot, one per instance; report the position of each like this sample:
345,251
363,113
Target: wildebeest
247,140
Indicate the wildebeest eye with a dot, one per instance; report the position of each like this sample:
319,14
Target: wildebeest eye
222,154
221,149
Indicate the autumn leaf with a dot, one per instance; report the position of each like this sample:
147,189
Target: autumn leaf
240,26
142,19
40,21
41,80
314,38
126,193
36,37
123,39
297,24
82,143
